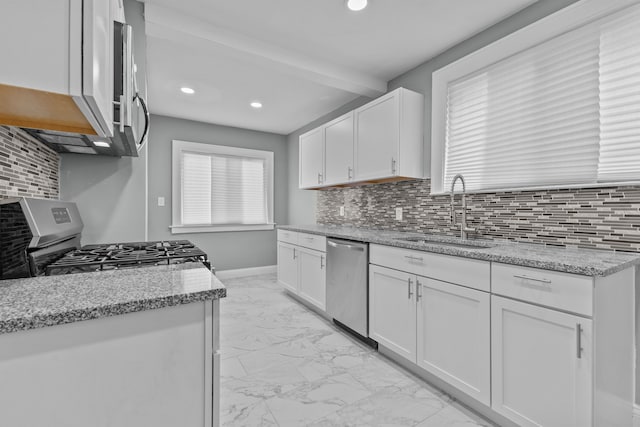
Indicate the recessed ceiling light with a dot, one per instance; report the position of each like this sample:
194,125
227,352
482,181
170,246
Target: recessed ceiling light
256,104
101,144
187,90
356,5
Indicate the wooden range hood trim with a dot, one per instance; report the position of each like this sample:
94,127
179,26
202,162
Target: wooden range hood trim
35,109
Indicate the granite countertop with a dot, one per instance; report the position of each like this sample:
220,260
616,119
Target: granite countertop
587,262
38,302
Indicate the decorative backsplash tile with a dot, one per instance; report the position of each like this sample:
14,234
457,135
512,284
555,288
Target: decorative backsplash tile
603,218
27,167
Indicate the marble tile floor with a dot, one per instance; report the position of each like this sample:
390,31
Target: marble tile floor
284,365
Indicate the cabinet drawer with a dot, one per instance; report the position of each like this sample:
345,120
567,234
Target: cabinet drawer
288,236
312,241
564,291
472,273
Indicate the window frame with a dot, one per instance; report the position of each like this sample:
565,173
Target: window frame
178,147
566,19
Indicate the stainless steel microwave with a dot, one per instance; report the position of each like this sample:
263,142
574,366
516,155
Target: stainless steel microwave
131,115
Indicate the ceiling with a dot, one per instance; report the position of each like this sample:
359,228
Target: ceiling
300,59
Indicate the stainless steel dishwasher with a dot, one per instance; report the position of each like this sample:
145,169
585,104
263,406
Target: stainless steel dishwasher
348,287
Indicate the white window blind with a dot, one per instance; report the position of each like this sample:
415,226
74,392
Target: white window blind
564,112
219,186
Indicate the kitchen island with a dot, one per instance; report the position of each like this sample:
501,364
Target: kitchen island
129,347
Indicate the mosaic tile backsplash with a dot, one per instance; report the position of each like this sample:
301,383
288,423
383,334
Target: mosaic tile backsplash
27,167
602,218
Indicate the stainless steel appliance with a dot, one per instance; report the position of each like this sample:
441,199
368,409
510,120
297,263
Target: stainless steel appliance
347,286
42,237
131,115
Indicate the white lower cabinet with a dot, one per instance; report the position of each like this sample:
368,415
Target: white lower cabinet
302,270
442,327
287,266
312,279
542,365
392,310
454,336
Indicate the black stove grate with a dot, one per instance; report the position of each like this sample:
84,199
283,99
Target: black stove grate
127,255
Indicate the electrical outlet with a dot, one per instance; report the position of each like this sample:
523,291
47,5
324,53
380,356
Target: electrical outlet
160,201
398,214
341,210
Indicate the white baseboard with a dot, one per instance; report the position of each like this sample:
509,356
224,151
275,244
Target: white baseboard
245,272
636,416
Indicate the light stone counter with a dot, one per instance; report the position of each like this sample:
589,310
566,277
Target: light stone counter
588,262
38,302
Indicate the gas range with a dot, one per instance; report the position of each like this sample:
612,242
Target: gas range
114,256
42,237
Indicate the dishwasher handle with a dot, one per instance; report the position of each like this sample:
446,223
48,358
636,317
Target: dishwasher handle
342,245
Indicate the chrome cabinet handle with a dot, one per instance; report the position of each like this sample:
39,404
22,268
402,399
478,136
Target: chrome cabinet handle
349,170
579,340
410,294
393,165
414,258
319,178
418,287
523,276
321,262
294,253
311,239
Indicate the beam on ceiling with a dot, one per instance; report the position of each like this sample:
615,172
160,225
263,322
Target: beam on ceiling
170,24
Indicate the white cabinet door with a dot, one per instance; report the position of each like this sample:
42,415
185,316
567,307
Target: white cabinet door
312,283
311,164
288,266
392,310
454,335
377,138
539,377
338,140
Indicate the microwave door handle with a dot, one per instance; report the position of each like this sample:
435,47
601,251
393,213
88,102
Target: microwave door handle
146,117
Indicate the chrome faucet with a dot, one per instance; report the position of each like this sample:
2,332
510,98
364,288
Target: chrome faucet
463,226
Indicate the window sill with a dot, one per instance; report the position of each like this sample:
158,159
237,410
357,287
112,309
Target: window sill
184,229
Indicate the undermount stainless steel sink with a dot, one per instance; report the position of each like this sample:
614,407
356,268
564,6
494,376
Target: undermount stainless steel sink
466,244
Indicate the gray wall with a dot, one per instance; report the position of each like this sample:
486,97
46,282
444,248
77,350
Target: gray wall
228,250
111,192
302,202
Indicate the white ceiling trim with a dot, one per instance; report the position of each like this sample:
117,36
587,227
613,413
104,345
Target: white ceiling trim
167,23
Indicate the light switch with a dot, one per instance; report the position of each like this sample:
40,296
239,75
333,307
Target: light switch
341,210
398,214
160,201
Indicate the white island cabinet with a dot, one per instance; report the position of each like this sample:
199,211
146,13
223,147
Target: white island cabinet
125,348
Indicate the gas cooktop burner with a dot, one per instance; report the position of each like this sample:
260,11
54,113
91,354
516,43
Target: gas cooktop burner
123,255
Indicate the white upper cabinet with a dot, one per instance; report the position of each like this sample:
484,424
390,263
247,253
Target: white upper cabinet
389,137
380,141
312,159
378,131
60,75
339,146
